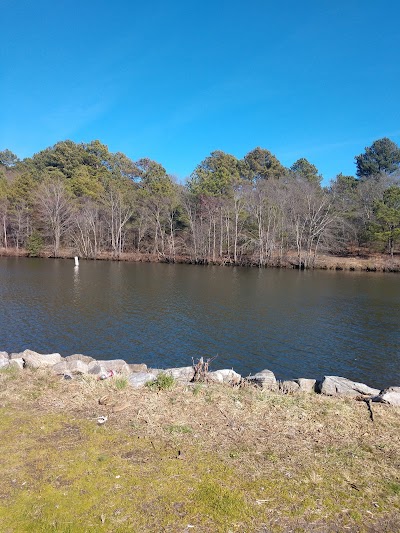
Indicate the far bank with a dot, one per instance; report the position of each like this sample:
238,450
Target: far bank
359,262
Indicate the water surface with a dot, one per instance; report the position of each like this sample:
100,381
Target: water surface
295,323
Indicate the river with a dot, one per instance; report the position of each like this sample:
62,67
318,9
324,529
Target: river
295,323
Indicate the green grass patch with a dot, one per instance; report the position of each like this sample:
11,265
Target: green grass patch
162,382
121,383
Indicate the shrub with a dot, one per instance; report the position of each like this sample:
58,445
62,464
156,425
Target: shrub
162,382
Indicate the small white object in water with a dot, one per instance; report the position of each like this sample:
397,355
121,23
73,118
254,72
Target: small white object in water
102,420
76,261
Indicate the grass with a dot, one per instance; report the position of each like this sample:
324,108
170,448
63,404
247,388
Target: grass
225,460
121,383
162,382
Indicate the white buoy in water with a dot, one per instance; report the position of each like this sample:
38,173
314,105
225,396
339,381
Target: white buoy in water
76,261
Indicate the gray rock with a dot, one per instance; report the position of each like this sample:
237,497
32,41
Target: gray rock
135,367
4,363
338,386
289,387
225,376
4,355
77,366
17,363
80,357
306,385
183,374
60,368
156,371
265,379
36,360
139,379
391,396
116,365
95,368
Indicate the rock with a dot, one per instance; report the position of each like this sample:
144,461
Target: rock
338,386
306,385
390,396
79,357
265,379
134,367
4,363
4,355
288,387
76,366
95,368
36,360
17,363
60,368
183,374
225,376
156,371
116,365
139,379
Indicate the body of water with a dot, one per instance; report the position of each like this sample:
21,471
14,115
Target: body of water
297,324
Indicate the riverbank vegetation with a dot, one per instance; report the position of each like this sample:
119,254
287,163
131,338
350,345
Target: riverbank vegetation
192,458
81,199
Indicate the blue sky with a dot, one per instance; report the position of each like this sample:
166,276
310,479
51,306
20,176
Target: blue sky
176,80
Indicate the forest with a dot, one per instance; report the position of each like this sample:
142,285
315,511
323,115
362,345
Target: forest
79,198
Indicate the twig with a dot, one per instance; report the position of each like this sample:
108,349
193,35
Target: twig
201,368
369,405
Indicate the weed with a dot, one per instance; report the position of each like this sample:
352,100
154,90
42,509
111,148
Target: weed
394,487
121,383
197,388
11,372
162,382
208,396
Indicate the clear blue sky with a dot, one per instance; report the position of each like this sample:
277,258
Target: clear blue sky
176,80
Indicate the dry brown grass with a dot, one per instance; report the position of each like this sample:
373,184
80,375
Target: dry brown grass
287,463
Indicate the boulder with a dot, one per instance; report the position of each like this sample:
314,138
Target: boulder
390,396
156,371
17,363
76,366
36,360
225,376
4,363
265,379
338,386
306,385
139,379
4,355
183,374
288,387
61,367
116,365
80,357
137,367
95,368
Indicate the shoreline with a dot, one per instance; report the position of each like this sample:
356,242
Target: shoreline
139,375
351,263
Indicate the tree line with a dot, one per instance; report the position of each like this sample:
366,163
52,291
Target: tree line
83,198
